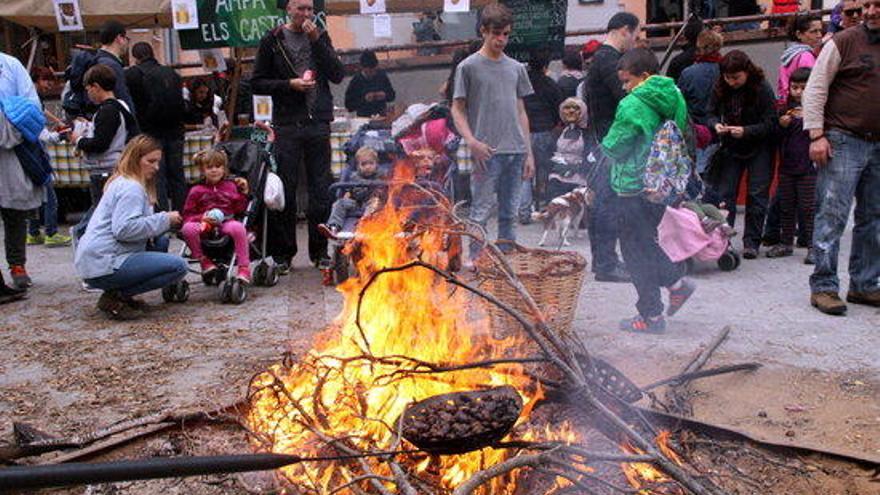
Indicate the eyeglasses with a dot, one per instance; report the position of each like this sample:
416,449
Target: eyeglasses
852,12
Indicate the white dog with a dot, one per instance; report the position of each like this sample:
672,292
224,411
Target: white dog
563,213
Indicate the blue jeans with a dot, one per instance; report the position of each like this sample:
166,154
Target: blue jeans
543,145
853,171
500,180
143,272
48,214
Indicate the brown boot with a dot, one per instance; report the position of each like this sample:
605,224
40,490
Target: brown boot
866,298
115,308
828,303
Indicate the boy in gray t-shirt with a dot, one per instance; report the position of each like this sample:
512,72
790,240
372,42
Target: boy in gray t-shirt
490,115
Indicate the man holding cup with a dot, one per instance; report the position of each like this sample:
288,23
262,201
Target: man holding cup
295,64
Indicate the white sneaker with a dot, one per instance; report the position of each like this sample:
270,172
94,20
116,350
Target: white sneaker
88,288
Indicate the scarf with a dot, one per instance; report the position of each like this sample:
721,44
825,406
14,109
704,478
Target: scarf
792,52
709,58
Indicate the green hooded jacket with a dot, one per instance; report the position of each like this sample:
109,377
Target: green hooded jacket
639,115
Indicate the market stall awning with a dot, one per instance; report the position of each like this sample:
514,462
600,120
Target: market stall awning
133,13
348,7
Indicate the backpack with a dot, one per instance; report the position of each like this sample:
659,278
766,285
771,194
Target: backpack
164,97
75,101
670,166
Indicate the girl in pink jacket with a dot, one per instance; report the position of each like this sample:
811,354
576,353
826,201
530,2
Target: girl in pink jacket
213,204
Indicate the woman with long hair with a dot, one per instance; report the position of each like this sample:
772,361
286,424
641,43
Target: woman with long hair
114,255
742,115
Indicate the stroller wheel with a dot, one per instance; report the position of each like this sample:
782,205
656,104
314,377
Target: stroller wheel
238,292
181,294
260,273
225,292
272,276
178,292
729,261
168,293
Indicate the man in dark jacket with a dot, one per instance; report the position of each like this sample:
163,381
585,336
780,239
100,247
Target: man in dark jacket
149,80
114,44
604,91
295,64
369,91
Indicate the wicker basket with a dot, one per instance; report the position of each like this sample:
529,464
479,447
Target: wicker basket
553,278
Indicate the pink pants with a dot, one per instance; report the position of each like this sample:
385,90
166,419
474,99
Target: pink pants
192,232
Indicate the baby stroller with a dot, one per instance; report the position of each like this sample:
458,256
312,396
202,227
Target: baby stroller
426,131
687,237
251,159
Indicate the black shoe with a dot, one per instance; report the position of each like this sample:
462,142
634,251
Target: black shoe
750,253
616,275
10,294
282,265
803,243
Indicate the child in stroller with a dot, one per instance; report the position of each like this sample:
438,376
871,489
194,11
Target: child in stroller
353,198
426,164
211,208
220,216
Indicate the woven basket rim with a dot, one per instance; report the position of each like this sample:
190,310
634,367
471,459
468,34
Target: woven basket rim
553,263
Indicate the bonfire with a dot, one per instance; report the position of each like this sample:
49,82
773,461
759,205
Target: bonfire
408,333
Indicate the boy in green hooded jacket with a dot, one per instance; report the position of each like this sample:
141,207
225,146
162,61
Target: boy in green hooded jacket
652,100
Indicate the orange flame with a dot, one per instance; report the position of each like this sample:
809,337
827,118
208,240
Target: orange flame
344,389
645,477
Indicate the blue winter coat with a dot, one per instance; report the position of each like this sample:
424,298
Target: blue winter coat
696,84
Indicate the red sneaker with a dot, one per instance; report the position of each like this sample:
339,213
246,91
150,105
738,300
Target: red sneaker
208,266
20,277
244,275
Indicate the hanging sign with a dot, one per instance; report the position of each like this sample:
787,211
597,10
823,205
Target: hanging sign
237,23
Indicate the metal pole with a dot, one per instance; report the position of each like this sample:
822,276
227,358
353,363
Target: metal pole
53,475
33,477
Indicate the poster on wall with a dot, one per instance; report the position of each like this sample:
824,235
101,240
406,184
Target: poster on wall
456,5
67,15
372,6
382,26
537,24
213,60
223,23
185,14
262,108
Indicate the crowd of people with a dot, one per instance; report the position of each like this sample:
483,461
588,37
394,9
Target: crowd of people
742,130
532,138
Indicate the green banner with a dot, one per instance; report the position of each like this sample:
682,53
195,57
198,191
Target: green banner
238,23
537,24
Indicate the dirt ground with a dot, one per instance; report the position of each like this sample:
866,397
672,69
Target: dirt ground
65,370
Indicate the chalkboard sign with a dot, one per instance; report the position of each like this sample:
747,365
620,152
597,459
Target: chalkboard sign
537,24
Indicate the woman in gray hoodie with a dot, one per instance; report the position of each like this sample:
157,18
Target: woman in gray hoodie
112,255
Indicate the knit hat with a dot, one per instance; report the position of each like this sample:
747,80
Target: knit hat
589,48
25,115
